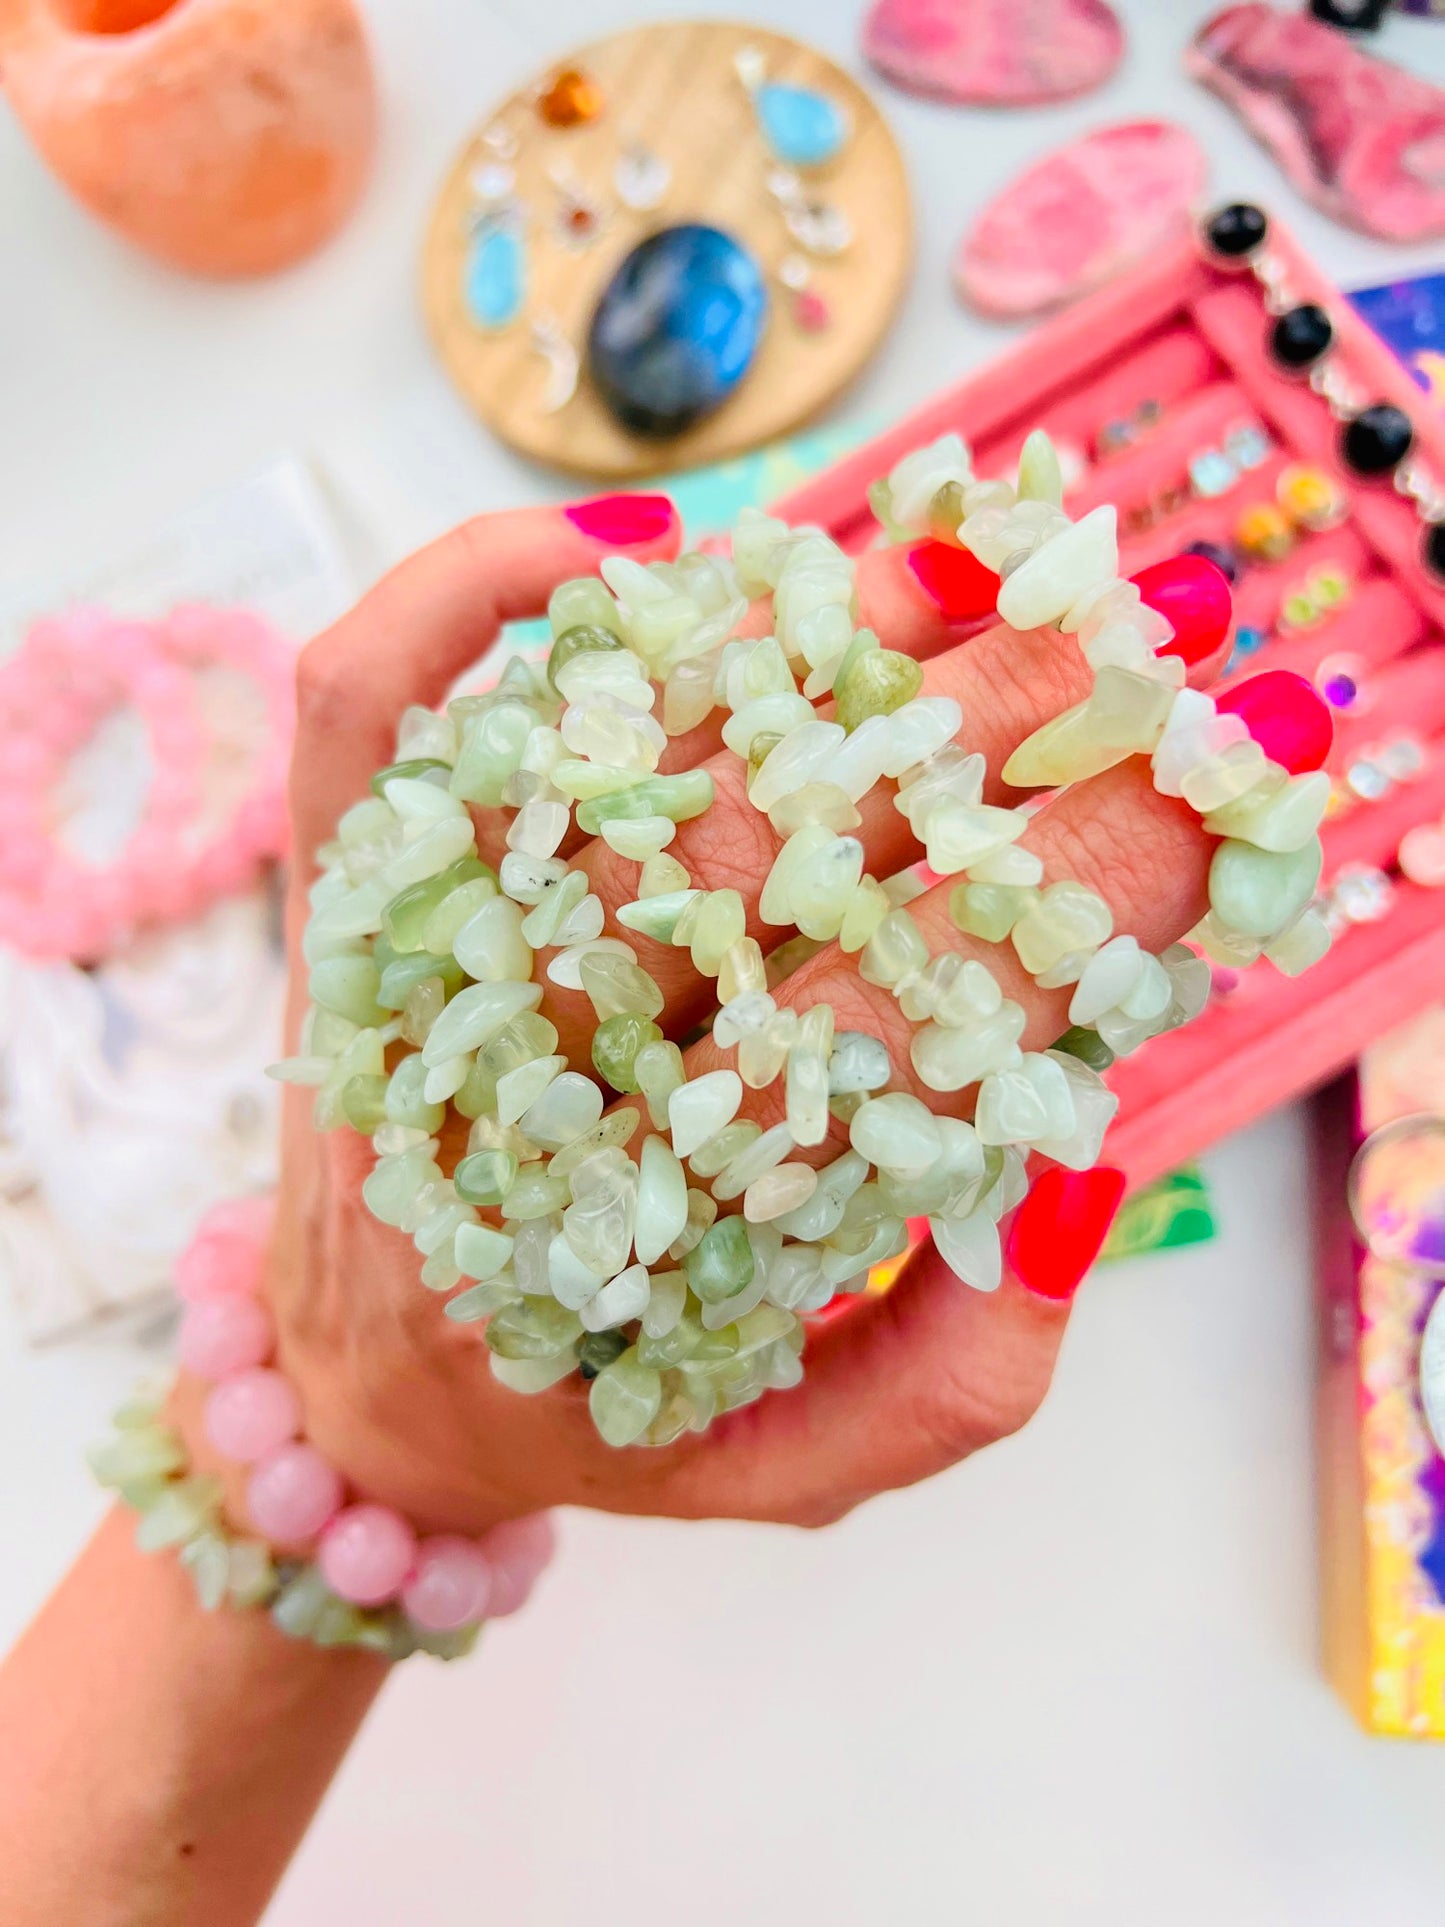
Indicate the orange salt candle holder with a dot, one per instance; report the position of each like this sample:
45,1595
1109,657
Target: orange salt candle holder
225,137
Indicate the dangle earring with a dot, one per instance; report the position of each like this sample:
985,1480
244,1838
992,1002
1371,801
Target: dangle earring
562,361
803,127
641,176
494,266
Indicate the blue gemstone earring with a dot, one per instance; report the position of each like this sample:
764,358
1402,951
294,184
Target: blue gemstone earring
494,267
804,128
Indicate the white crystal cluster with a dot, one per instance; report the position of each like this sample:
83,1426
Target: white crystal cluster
668,1246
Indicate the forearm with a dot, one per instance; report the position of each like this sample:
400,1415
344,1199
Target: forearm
159,1764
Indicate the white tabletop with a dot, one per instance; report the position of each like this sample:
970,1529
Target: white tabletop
1074,1680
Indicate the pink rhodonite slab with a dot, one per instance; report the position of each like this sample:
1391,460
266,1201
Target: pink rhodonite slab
1080,215
1007,53
1363,140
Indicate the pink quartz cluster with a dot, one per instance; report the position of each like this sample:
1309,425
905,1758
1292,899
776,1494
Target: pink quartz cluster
367,1553
192,842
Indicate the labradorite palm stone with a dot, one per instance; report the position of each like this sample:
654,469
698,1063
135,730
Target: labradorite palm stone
676,329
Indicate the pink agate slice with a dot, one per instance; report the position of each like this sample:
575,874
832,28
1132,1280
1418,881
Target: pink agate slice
994,52
1363,140
1080,216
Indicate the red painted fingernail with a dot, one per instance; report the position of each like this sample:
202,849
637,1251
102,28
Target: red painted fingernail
954,580
1286,716
624,519
1192,594
1059,1229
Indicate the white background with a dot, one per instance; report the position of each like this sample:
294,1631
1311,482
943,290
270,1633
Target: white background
1074,1680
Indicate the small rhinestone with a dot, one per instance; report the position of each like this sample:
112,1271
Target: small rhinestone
1363,893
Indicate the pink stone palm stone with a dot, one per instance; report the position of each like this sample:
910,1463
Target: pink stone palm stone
1363,140
1007,53
1079,216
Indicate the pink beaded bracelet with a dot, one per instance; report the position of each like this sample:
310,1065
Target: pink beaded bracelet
338,1569
188,846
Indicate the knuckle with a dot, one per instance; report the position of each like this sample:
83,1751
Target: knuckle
960,1413
731,846
1147,859
323,696
1029,679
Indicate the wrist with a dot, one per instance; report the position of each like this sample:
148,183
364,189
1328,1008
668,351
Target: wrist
261,1517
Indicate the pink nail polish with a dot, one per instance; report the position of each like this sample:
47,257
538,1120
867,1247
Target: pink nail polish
954,580
1194,598
1286,716
624,520
1059,1229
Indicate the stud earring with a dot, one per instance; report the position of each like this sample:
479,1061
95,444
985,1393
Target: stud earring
1127,430
1341,680
1321,593
1265,533
1381,767
1360,893
1310,498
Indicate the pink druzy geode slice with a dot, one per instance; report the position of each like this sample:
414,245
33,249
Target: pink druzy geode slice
1005,53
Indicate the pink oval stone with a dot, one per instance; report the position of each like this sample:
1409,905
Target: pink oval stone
251,1413
1286,716
449,1586
519,1551
1193,596
292,1494
994,51
366,1553
1080,216
217,1265
219,1336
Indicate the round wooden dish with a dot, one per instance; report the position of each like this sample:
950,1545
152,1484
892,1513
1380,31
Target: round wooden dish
674,87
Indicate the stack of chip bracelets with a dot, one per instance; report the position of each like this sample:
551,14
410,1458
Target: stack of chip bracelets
590,1239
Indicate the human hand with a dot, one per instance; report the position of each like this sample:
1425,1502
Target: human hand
398,1397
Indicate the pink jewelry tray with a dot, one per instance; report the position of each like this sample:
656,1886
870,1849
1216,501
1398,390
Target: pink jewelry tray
1172,361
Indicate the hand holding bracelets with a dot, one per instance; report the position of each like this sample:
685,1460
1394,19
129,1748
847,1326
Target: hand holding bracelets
604,1250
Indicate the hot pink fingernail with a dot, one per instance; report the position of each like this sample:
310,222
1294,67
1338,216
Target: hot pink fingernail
1060,1228
1286,716
623,519
954,580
